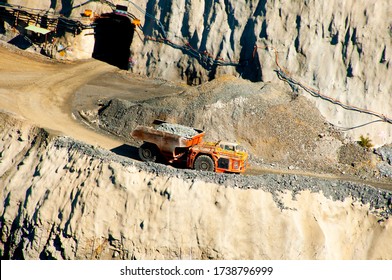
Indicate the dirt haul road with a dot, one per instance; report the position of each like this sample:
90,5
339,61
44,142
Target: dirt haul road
41,91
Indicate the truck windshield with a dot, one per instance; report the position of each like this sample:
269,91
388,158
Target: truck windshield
240,148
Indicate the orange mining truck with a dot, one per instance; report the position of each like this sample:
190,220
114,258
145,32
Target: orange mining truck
176,143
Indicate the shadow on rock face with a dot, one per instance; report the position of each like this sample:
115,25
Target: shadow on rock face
249,67
21,42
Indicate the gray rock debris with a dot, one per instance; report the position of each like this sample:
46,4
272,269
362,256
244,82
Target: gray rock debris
177,129
385,152
385,167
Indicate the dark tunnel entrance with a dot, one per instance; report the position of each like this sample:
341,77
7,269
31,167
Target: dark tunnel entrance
113,38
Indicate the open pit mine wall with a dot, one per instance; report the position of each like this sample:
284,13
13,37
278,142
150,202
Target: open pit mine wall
63,199
342,48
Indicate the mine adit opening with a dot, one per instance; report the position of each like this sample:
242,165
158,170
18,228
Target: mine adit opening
113,39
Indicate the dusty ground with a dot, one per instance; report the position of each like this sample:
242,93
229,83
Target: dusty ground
41,91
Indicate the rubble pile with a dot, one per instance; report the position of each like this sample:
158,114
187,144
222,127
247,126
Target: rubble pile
177,129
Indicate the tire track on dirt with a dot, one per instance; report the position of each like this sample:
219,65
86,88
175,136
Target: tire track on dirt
42,92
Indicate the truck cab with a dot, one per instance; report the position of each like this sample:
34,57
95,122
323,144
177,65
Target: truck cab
221,157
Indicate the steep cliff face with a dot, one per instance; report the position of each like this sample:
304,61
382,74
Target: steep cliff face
66,200
343,49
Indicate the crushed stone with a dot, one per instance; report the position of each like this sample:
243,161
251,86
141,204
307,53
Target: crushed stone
385,152
177,129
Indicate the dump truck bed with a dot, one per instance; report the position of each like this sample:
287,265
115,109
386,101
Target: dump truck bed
167,142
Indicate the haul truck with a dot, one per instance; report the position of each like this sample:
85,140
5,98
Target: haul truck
176,143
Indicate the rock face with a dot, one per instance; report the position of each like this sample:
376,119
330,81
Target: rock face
66,200
343,49
63,199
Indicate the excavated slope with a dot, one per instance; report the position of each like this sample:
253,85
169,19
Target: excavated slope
270,122
342,48
67,200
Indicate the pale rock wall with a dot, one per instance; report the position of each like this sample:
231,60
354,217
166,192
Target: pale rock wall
342,48
67,200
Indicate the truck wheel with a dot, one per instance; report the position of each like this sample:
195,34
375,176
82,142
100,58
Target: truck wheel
147,152
204,163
